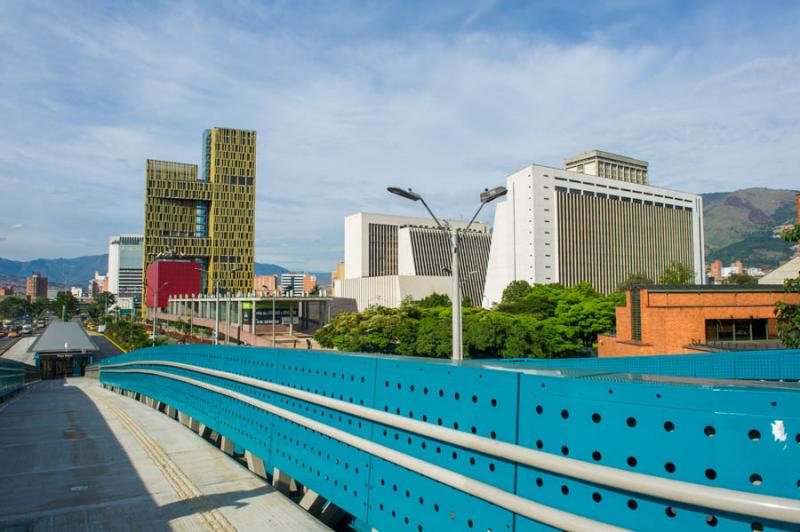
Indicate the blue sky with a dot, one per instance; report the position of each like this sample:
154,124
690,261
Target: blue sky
350,97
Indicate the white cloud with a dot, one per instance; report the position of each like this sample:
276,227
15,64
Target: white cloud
340,118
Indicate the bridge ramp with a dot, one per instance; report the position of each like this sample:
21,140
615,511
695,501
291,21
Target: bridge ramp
74,456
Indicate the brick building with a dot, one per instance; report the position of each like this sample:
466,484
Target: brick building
690,319
36,286
266,284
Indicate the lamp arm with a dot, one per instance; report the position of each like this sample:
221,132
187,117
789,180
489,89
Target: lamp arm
473,218
441,226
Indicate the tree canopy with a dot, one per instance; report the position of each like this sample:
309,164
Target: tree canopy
677,273
64,303
741,279
532,321
634,279
789,314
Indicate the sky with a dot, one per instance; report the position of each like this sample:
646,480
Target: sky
447,98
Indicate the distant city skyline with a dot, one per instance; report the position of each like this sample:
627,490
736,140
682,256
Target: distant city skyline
350,98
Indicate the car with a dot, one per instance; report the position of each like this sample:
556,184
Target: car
12,333
3,333
27,328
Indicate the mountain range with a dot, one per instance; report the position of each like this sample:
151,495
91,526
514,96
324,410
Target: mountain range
740,225
79,270
745,225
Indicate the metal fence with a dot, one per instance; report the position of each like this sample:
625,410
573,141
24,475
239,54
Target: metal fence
14,376
423,444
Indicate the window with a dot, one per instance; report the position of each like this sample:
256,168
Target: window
737,330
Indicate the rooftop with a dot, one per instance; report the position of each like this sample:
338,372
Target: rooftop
603,155
60,337
690,288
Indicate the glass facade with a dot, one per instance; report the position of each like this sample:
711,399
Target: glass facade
737,330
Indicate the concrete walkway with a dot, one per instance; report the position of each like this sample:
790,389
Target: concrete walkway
19,351
74,456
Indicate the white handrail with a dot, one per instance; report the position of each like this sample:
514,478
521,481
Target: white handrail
738,502
489,493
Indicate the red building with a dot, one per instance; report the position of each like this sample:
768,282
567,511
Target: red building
171,277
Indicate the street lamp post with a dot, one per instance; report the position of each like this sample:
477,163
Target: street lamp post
273,313
155,309
216,306
455,243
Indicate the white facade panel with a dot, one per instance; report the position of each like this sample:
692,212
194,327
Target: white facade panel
113,265
390,290
405,253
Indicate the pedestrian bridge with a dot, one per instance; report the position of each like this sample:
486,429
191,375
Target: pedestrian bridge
676,442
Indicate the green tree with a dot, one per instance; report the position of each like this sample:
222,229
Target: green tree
515,292
788,313
64,302
546,321
589,316
634,279
539,300
741,279
677,273
435,334
434,300
14,307
486,333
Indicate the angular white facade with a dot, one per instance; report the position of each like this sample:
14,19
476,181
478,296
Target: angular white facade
388,258
609,229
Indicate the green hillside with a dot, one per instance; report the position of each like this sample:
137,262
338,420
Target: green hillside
742,225
79,270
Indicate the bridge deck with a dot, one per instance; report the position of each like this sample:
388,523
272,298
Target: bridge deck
74,456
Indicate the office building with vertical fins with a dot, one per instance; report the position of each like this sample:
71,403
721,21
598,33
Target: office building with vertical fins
124,276
206,216
390,258
562,226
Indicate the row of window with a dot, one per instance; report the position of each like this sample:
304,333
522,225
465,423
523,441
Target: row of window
627,199
622,189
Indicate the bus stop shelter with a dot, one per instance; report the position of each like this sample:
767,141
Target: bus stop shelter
63,349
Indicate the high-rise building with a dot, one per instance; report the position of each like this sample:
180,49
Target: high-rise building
125,257
297,284
337,275
266,284
559,226
208,218
388,258
36,286
609,165
97,285
716,271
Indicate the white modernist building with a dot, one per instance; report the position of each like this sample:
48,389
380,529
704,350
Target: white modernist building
561,226
125,262
389,258
787,270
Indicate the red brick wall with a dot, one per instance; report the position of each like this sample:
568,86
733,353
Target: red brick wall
671,321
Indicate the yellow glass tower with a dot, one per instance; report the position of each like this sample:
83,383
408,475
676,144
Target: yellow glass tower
207,217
